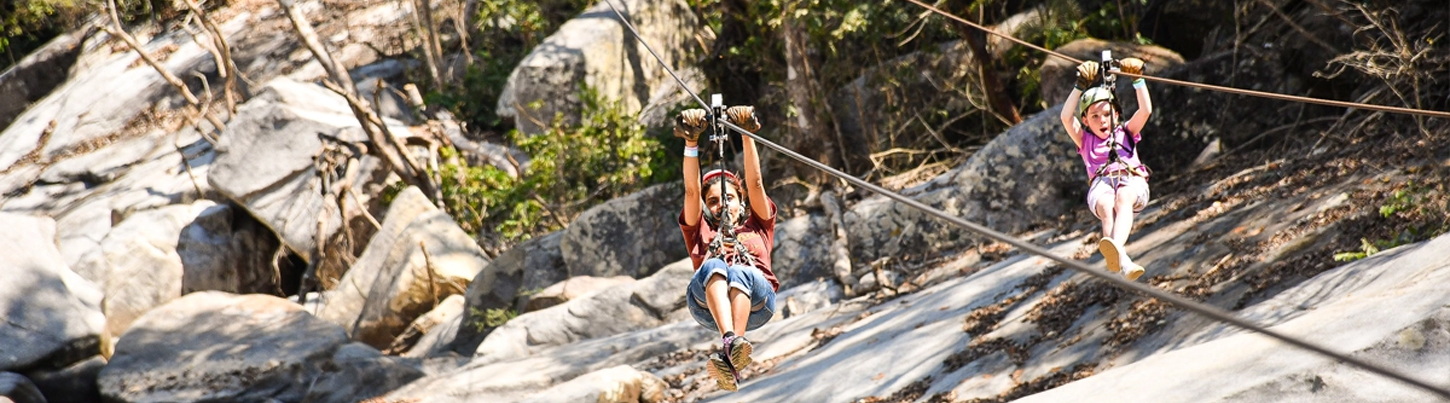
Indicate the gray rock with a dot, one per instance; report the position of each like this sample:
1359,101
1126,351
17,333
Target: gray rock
217,346
640,305
617,384
419,256
52,316
34,76
75,383
357,373
802,250
807,297
629,236
572,288
18,389
596,49
265,161
1028,175
138,267
424,333
512,380
1387,309
226,249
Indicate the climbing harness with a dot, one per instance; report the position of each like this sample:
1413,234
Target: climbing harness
1107,92
724,223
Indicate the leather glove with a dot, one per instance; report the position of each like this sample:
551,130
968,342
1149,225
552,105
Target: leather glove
1087,74
1131,65
690,124
744,116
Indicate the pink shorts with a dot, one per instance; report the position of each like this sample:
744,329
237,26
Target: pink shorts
1104,188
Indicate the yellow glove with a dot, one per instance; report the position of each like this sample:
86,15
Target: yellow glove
744,116
1131,65
1087,74
690,124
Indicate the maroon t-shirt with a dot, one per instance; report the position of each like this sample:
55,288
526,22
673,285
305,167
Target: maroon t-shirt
757,234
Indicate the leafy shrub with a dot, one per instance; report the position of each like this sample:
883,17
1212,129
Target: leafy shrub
570,169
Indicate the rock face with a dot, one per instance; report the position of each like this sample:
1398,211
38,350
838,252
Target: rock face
217,346
52,316
16,389
1028,175
265,161
1389,309
225,249
630,236
571,289
139,267
420,256
597,50
640,305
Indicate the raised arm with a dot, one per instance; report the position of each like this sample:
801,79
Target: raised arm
688,126
1145,103
1087,74
744,116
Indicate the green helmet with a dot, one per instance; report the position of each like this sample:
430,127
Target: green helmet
1091,96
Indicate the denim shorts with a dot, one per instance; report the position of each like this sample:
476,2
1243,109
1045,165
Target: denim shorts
747,279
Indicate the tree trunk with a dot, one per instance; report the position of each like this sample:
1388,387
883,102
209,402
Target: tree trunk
810,130
997,96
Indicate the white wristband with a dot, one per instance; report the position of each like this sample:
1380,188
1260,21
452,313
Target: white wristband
1139,84
692,152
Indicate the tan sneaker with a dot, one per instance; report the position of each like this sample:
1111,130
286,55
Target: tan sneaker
1111,254
1132,270
721,371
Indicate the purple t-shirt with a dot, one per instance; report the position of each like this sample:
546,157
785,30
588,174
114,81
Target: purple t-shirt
1095,151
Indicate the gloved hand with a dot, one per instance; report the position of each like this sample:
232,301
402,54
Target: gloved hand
744,116
690,124
1131,65
1087,74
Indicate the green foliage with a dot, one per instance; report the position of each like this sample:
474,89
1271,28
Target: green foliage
506,31
1410,209
480,320
570,169
1403,200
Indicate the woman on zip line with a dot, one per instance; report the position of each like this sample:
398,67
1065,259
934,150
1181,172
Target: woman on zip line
733,289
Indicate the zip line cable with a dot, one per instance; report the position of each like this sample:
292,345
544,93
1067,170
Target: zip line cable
1231,90
1180,302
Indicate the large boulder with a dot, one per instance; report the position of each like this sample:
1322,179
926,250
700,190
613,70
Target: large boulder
74,383
52,316
570,289
358,373
138,266
643,304
629,236
1058,75
419,257
214,346
15,388
617,384
802,250
226,249
1028,175
595,48
37,74
266,161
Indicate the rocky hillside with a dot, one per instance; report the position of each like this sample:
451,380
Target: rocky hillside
281,250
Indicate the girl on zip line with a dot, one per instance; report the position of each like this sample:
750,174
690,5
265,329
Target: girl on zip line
733,289
1118,181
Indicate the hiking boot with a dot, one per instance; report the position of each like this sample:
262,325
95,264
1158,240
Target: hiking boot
739,349
1132,270
722,372
1112,253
